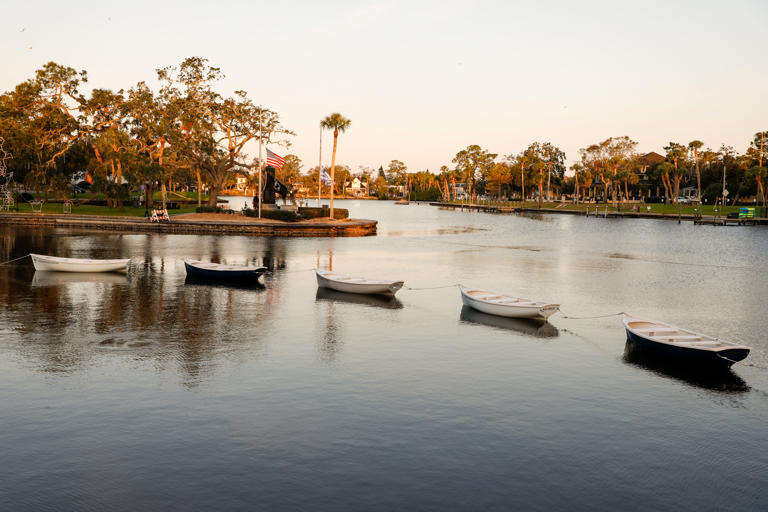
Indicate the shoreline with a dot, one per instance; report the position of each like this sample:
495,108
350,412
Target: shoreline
187,224
705,219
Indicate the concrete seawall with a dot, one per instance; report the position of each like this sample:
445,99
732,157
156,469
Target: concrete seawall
350,227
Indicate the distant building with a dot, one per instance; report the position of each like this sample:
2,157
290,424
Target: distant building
460,191
241,182
647,161
357,186
652,158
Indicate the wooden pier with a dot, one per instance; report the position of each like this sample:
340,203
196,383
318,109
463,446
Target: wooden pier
180,225
593,211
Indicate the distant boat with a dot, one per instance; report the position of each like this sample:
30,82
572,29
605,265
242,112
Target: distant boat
505,305
670,341
403,201
54,263
222,272
342,283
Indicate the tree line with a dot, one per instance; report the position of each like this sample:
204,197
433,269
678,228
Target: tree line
608,171
185,132
135,138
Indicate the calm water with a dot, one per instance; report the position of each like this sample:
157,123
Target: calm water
145,392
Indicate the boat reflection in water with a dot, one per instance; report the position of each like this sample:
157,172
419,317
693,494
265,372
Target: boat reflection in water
246,284
715,379
42,279
377,301
528,327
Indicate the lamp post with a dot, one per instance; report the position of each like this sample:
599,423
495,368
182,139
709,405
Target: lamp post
724,190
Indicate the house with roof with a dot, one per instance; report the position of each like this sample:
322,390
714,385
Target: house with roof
357,186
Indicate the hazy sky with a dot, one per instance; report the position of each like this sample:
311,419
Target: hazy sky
422,80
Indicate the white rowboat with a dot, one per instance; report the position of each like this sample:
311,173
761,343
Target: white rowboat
342,283
505,305
54,263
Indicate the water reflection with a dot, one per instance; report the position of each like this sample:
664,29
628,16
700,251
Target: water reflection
331,342
721,380
245,284
535,328
63,321
42,278
377,301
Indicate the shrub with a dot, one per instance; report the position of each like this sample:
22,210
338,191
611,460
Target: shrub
285,215
212,209
316,213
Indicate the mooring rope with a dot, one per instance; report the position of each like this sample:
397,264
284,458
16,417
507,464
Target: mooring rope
430,287
17,259
587,317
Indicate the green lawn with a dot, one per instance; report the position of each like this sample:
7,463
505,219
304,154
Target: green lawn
87,209
669,209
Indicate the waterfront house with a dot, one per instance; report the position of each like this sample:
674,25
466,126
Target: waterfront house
356,187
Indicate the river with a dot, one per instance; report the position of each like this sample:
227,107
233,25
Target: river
142,392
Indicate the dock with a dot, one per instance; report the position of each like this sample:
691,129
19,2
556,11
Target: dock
593,211
179,225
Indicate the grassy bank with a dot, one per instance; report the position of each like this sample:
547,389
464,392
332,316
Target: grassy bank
87,209
668,209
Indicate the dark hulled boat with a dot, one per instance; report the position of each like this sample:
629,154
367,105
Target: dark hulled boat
687,346
222,272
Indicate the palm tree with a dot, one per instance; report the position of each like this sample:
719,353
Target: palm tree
337,123
694,146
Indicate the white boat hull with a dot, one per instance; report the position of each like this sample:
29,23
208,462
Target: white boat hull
534,310
56,264
356,285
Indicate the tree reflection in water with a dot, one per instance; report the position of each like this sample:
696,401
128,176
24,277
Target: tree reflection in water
62,321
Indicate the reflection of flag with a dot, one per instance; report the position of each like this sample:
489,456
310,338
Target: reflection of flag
275,160
325,177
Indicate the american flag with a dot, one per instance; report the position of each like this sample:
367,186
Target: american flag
275,160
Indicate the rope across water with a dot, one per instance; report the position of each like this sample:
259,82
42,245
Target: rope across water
568,317
430,287
17,259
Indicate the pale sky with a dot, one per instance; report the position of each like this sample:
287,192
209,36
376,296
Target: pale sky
422,80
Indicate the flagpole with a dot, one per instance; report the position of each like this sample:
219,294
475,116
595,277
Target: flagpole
320,167
260,188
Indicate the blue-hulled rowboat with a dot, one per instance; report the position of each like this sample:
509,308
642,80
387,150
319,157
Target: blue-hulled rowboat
222,272
674,342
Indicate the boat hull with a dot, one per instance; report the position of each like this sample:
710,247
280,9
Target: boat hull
539,312
55,264
723,358
382,288
254,275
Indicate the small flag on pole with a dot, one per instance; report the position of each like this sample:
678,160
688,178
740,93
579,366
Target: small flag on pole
275,160
325,177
